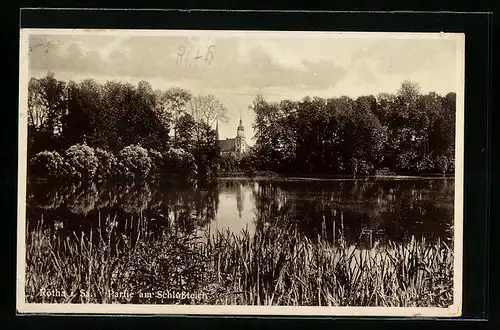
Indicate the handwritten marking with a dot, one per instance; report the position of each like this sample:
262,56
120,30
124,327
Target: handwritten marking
185,58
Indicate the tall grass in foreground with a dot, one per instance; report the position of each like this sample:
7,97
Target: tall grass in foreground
281,267
277,266
97,267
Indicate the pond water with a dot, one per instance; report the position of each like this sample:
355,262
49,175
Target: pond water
367,212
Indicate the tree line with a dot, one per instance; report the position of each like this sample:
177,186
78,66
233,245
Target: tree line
402,133
88,130
91,130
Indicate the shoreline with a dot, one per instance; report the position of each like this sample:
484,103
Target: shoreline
340,178
284,178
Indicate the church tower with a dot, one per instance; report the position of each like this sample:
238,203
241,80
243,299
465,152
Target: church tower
240,138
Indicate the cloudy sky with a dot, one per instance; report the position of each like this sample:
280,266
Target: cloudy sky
235,66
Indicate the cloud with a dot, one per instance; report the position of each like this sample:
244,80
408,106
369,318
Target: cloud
406,56
223,65
325,73
246,65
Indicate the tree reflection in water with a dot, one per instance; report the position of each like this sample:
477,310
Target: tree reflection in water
364,213
81,207
361,212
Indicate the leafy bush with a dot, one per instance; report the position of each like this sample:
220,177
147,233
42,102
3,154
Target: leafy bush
47,164
156,161
107,164
135,162
443,164
228,162
82,161
361,167
451,168
248,162
407,160
180,162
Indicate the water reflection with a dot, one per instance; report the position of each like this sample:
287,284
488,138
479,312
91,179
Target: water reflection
362,212
235,211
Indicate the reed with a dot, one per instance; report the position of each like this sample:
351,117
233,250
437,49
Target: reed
275,266
280,267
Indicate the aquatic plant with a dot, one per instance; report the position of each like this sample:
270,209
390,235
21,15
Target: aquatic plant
275,266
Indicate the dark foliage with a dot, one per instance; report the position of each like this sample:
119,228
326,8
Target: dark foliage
100,131
116,128
403,133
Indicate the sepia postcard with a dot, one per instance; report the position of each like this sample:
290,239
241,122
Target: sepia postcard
240,173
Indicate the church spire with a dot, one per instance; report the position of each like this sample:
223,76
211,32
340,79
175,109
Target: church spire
240,137
217,128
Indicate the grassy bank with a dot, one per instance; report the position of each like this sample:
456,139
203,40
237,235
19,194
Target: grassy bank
275,266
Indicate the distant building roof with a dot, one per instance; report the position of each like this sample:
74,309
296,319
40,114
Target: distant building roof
227,145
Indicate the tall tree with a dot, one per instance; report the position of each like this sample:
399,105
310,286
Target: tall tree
266,135
185,126
84,104
171,105
207,109
47,104
206,152
141,125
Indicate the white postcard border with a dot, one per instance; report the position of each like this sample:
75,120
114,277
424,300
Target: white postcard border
112,309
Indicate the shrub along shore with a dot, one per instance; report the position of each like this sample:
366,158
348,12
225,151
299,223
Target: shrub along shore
82,162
